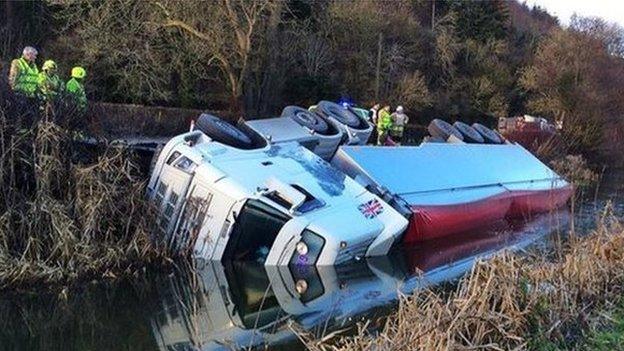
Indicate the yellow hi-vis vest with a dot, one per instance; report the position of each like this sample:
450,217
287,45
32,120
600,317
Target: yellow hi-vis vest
27,78
76,90
384,121
50,85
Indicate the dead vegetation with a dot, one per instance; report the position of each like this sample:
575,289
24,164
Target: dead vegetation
511,302
62,217
575,169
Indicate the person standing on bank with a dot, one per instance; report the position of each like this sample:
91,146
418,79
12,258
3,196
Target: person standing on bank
23,74
75,88
50,84
384,124
399,121
372,113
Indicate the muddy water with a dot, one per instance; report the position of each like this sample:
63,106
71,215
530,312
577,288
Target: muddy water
241,304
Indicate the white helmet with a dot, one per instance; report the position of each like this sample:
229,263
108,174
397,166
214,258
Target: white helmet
399,109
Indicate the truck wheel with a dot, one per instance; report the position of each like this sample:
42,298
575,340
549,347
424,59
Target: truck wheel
306,118
470,134
433,139
341,114
502,138
443,130
222,131
488,135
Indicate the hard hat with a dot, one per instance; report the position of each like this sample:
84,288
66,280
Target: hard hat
399,109
29,50
49,64
78,72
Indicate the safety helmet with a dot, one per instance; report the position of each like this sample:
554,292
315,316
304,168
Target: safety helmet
78,72
48,65
399,109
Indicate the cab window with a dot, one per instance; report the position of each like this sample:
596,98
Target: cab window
254,232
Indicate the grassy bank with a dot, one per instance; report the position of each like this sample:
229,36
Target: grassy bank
511,302
608,333
67,214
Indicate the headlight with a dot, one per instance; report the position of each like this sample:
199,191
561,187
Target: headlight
308,250
301,286
302,248
302,266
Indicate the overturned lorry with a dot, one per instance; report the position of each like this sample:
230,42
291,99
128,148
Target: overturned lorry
302,189
230,194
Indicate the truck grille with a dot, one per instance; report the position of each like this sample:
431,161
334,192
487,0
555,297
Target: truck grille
352,251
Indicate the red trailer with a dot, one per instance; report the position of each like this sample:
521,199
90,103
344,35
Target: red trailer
445,188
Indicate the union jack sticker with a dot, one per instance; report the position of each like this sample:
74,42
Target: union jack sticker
371,209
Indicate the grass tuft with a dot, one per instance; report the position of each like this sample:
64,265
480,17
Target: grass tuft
65,213
510,302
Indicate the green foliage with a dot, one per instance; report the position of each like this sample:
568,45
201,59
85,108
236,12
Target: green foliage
481,20
540,343
609,337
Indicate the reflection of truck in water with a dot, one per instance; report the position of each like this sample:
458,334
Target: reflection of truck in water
235,305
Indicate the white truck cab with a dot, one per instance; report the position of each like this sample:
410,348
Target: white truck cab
278,204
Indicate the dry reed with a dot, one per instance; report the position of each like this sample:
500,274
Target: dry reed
508,303
62,219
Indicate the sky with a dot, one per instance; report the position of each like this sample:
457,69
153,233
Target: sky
610,10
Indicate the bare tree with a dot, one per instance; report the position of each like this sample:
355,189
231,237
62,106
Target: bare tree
227,35
316,54
124,57
611,35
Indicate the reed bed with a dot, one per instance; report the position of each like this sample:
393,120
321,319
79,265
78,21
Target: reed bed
511,302
65,213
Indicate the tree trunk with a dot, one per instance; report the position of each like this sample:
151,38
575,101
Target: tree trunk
269,84
378,68
433,3
8,14
236,104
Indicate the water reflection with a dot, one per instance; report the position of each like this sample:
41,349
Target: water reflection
245,304
241,304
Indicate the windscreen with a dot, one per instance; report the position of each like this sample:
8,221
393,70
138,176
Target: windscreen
254,232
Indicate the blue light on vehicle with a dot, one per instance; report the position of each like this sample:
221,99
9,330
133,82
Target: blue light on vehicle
344,102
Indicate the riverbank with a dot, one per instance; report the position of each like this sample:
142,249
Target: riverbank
67,214
608,333
510,302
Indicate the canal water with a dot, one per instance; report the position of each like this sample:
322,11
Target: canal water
233,305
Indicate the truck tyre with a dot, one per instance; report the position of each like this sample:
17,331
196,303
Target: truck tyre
433,139
470,134
488,135
502,138
306,118
222,131
443,130
342,115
